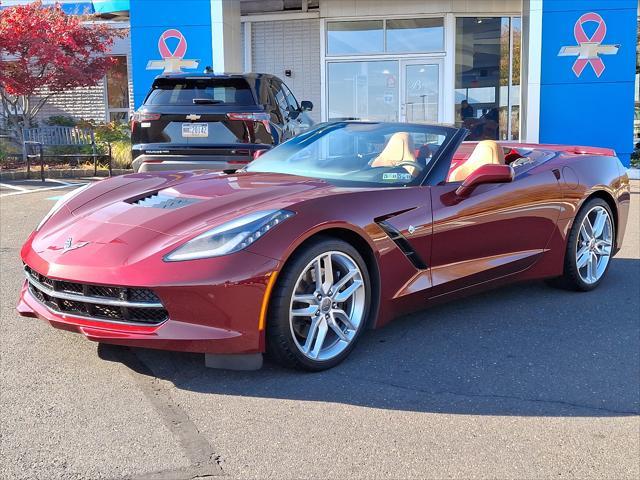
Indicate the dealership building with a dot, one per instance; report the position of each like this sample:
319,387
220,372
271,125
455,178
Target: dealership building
548,71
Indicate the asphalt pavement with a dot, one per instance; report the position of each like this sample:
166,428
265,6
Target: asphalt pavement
521,382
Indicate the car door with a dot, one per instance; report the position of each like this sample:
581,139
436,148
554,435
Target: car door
499,230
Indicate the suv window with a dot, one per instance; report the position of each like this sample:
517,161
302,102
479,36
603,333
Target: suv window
183,91
284,98
291,100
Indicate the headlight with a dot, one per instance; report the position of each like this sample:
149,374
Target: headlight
229,237
58,205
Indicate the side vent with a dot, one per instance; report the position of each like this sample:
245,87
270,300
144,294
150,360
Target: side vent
159,200
402,243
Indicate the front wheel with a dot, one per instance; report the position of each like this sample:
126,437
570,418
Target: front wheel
320,306
589,247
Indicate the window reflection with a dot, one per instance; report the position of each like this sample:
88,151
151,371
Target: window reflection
415,35
363,90
117,83
348,38
488,76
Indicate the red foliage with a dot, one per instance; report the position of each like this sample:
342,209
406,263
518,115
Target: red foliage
43,47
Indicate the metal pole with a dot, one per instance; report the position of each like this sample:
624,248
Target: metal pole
41,148
110,158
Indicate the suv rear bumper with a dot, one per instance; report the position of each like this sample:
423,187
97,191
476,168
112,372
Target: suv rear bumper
155,163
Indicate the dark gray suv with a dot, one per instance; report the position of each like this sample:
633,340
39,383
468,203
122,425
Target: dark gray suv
190,121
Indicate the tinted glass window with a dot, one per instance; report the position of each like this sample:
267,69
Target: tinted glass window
183,91
415,35
291,100
280,97
363,90
362,36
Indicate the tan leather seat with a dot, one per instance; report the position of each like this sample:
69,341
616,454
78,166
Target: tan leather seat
486,152
399,149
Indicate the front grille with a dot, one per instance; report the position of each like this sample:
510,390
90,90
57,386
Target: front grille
100,302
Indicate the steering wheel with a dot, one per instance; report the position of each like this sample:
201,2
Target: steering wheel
410,163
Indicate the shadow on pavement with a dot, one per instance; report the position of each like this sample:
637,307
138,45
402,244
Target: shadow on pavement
527,350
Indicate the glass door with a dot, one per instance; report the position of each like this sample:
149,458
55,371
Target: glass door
421,96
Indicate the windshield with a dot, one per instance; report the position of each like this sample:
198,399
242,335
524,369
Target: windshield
381,154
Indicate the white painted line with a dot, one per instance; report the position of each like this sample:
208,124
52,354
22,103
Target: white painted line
54,180
13,187
40,190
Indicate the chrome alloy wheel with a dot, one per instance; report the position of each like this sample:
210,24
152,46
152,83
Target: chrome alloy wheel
327,306
594,245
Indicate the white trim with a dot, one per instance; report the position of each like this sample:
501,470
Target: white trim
449,73
383,56
274,17
532,59
324,101
510,80
248,52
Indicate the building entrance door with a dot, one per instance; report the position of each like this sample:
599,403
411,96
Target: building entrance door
421,90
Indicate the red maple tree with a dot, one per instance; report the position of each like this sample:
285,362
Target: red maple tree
44,51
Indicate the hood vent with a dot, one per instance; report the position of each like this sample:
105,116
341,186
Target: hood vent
167,202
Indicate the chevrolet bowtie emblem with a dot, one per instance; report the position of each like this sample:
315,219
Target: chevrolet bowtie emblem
69,245
193,116
172,62
589,49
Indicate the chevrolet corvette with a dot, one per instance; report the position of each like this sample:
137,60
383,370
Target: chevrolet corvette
335,231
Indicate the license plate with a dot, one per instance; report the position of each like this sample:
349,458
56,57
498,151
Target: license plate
195,130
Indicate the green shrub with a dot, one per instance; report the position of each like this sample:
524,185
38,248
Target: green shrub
121,154
61,121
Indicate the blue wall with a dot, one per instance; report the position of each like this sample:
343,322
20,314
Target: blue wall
149,19
588,110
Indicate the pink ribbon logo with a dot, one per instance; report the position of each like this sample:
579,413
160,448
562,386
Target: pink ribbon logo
590,48
172,62
181,48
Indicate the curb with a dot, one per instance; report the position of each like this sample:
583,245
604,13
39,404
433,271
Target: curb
67,173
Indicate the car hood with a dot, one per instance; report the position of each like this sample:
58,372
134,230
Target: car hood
178,204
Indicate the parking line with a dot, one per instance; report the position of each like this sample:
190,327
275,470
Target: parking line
12,187
25,191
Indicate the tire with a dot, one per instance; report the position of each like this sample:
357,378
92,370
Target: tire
600,247
318,308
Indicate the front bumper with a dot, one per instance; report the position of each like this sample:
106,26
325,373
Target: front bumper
215,313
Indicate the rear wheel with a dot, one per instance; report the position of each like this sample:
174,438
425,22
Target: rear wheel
589,247
320,306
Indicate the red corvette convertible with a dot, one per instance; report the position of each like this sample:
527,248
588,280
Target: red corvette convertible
339,229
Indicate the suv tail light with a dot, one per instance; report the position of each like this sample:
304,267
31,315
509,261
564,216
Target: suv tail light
145,117
261,117
259,153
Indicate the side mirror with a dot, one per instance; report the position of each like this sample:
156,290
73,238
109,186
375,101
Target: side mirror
306,105
293,113
490,173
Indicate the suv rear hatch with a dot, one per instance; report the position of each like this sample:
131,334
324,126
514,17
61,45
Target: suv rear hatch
216,118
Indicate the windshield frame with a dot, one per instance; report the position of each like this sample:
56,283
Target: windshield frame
452,138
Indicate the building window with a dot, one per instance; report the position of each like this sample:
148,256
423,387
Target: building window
363,90
415,35
363,37
488,76
351,38
117,82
